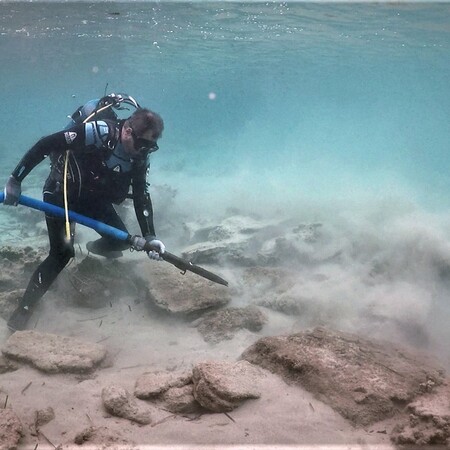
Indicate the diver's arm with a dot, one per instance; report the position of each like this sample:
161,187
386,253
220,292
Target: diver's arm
33,157
144,213
142,202
57,142
79,138
30,160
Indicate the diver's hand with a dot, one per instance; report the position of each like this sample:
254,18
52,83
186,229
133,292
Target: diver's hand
158,248
12,191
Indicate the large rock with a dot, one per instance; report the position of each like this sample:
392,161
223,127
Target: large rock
184,295
249,241
119,402
364,381
221,325
10,429
91,282
94,282
232,241
221,386
53,353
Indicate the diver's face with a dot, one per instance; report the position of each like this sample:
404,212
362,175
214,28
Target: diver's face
136,145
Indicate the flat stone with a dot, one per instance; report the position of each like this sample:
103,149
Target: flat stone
119,402
181,400
221,386
184,294
52,353
152,384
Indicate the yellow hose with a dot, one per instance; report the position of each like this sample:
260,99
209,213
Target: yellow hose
66,202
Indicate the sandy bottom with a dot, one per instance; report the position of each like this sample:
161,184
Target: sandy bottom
139,340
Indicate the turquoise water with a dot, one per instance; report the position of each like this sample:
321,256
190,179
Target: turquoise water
329,112
291,101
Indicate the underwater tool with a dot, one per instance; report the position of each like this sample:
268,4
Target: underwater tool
103,228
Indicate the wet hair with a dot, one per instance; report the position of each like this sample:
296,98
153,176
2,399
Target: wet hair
143,120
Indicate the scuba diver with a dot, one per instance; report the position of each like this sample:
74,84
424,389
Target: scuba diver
95,161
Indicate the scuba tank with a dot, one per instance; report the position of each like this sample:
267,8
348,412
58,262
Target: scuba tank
102,109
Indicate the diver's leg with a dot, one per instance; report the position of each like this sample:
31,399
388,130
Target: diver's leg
60,254
107,246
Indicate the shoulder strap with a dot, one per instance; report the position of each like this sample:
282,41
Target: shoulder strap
111,139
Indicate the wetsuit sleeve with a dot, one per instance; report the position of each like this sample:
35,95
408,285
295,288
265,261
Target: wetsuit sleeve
57,142
142,201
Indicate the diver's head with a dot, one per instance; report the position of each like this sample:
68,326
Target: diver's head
141,131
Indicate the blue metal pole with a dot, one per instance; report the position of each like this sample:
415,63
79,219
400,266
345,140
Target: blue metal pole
103,228
57,211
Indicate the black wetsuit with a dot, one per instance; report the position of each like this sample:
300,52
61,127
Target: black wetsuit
100,174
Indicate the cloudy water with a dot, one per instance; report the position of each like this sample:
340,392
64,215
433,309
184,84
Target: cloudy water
327,113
